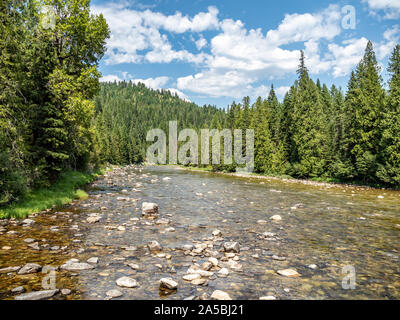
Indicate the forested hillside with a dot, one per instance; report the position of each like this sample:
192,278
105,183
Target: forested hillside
126,112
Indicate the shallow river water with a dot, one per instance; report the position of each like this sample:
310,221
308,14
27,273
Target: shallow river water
323,228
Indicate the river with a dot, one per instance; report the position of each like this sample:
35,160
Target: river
321,230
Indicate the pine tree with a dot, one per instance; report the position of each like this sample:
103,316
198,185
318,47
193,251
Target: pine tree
364,110
309,128
389,172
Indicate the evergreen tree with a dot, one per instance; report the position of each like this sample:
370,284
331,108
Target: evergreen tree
309,128
365,105
389,172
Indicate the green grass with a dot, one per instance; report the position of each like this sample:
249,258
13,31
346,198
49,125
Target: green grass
62,192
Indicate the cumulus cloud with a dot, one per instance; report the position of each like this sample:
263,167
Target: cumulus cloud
390,8
136,35
238,59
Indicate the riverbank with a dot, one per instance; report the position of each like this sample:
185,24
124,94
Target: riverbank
320,183
64,191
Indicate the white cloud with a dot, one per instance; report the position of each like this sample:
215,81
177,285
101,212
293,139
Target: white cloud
281,91
110,78
153,83
304,27
391,8
239,59
201,43
133,32
347,56
180,94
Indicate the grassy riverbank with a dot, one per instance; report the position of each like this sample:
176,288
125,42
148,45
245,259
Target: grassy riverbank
62,192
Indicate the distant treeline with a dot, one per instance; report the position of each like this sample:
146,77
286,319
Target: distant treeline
316,132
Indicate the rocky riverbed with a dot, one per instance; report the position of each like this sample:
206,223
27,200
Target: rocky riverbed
162,233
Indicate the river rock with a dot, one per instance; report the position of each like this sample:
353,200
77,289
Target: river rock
291,273
9,269
191,277
114,293
168,283
207,266
154,246
214,261
34,246
94,260
217,233
134,266
269,298
30,268
37,295
199,282
188,247
93,219
276,217
224,272
126,282
220,295
232,247
28,222
77,266
18,290
66,292
162,221
149,209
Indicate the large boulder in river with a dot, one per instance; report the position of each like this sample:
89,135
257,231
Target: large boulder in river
149,209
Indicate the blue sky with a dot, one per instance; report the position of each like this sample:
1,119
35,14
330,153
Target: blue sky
215,52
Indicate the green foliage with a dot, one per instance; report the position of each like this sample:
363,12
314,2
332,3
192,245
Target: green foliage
127,111
48,77
63,191
389,169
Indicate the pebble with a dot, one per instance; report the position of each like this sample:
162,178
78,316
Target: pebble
276,218
65,292
289,273
154,246
168,283
77,266
37,295
191,277
18,290
126,282
9,269
94,260
134,266
232,247
220,295
224,272
114,293
93,219
268,298
30,268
